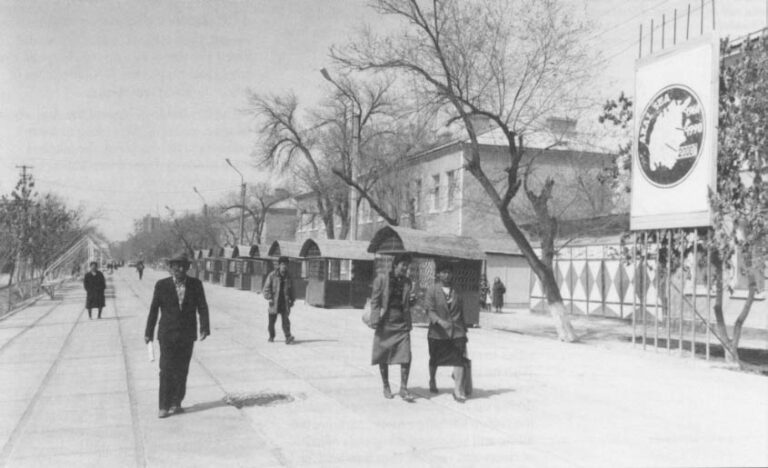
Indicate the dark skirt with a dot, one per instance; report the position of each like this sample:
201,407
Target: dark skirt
392,340
450,352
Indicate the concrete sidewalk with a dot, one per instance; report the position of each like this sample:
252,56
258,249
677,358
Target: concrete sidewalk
79,392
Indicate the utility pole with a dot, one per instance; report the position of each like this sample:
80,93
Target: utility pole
242,200
205,205
24,168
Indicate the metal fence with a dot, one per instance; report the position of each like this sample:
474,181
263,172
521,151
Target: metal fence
667,297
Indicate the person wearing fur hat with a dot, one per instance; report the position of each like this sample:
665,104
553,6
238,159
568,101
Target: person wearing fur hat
278,290
179,299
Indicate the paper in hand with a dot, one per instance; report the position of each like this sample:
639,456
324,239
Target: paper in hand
150,352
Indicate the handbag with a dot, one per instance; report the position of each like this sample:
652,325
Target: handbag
466,381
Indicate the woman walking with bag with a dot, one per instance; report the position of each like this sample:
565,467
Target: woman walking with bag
391,316
447,334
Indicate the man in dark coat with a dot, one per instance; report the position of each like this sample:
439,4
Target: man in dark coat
140,268
94,284
179,298
278,290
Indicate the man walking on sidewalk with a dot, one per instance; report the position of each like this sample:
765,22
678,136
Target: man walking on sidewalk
179,298
278,290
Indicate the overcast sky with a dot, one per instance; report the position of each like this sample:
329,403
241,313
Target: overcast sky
124,106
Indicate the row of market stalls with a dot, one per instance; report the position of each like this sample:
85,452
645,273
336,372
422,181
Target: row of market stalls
339,273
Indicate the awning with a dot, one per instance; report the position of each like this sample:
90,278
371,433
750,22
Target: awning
395,239
335,248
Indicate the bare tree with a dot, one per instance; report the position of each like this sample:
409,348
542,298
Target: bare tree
260,198
289,144
511,62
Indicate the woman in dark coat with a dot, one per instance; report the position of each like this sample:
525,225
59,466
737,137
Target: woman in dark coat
498,291
447,335
390,308
94,286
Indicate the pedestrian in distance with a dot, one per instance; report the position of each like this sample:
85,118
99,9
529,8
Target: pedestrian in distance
497,292
140,268
178,299
278,290
391,299
447,335
484,291
94,284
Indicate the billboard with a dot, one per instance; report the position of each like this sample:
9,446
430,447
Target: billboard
675,136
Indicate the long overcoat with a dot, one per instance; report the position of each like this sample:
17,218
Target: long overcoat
94,284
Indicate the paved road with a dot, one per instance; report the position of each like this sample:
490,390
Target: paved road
79,392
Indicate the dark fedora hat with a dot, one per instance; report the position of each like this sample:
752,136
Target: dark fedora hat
179,257
283,260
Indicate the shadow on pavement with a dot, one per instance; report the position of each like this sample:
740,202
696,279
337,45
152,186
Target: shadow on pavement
477,393
296,342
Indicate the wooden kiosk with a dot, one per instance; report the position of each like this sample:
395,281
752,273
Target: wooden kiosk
291,250
228,262
250,268
339,272
207,264
463,253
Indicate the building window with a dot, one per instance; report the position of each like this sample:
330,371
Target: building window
435,202
345,270
450,204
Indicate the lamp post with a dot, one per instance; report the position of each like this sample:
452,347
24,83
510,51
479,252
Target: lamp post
242,200
205,205
354,152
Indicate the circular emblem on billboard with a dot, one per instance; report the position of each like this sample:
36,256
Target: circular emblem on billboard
670,137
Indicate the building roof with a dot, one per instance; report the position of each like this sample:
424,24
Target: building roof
246,251
284,249
391,239
227,252
335,248
499,246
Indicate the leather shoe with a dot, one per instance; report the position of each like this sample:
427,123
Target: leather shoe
406,395
459,398
271,340
176,410
433,387
163,413
388,393
290,339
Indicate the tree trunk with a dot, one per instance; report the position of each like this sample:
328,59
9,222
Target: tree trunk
557,309
545,273
731,352
739,324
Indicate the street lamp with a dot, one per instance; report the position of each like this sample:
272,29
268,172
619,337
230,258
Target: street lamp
205,205
242,199
354,152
